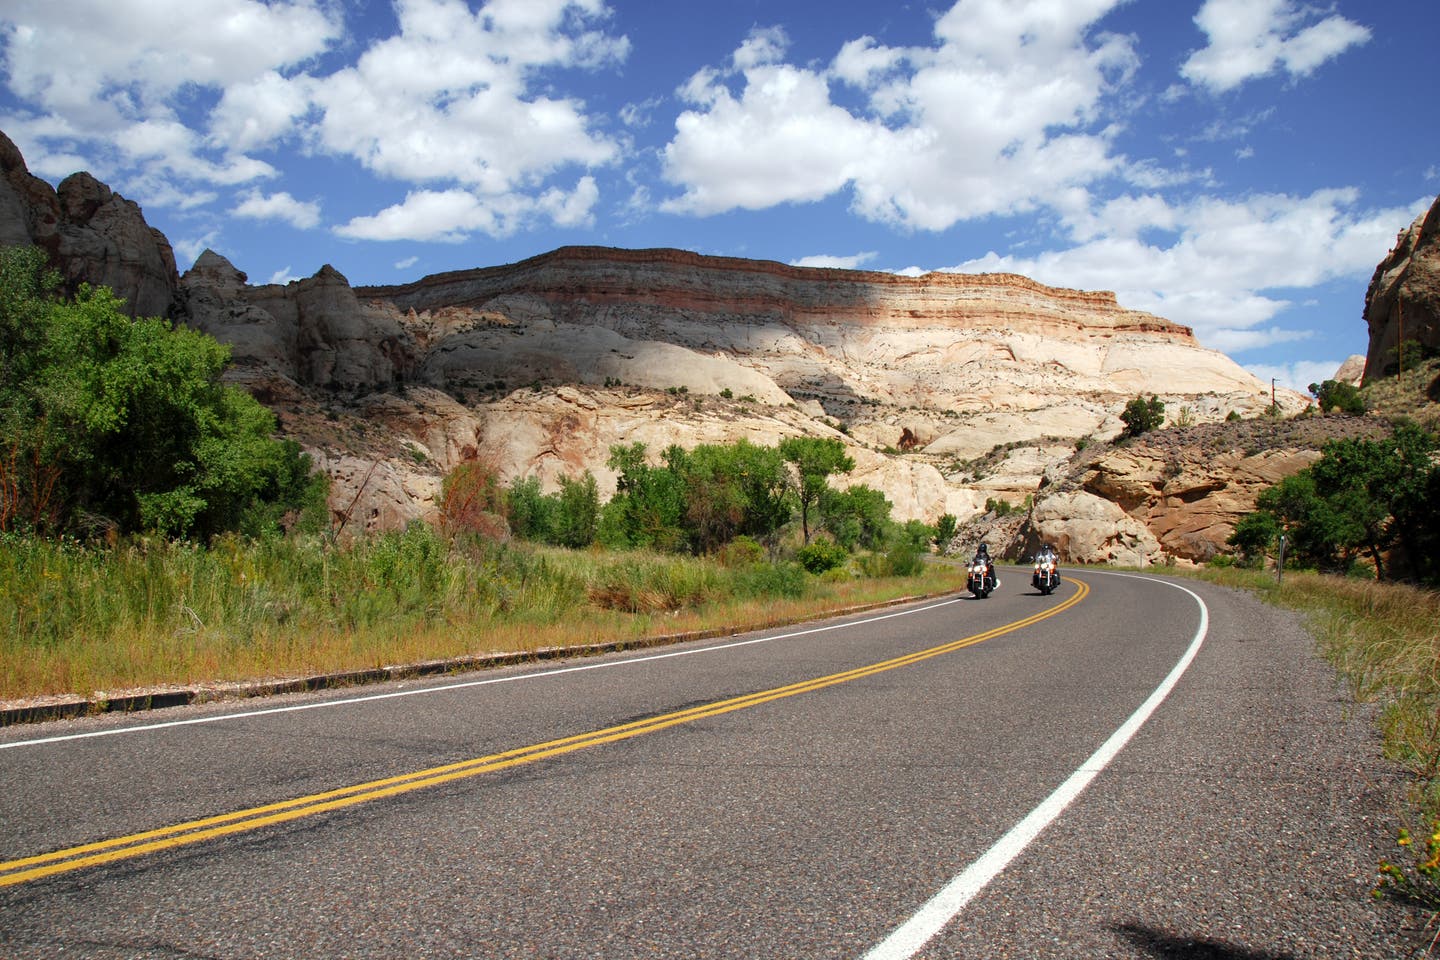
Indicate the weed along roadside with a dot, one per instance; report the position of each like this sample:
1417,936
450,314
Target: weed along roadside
155,624
1383,640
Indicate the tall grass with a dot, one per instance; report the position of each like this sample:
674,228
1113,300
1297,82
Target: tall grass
76,619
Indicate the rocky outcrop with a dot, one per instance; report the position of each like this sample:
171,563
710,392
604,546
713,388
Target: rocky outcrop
1352,371
1187,488
1403,301
307,333
92,235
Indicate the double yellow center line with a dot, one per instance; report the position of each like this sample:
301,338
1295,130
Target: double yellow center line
195,831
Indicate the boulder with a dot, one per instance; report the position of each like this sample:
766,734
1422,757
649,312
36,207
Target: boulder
1086,528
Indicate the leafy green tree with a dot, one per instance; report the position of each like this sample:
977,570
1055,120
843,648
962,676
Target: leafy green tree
1362,497
1142,416
815,459
945,529
649,503
822,555
1255,535
528,510
857,516
577,511
731,490
1337,395
119,424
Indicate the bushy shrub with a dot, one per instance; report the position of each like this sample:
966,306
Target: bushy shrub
1142,416
472,501
741,552
822,555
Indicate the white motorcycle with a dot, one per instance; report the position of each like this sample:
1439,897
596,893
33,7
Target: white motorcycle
1047,574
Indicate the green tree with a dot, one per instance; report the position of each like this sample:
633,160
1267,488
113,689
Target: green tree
815,459
119,424
1363,497
1255,534
649,503
577,511
1142,416
528,511
945,529
857,516
1337,395
731,490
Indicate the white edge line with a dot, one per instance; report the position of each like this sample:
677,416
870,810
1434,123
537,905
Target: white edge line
907,939
444,688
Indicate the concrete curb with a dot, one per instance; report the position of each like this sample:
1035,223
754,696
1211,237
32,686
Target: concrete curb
130,701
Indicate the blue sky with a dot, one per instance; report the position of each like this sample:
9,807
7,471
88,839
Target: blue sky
1239,166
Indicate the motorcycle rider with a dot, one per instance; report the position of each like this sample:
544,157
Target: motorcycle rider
982,555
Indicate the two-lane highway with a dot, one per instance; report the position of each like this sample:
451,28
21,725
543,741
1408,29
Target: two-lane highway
800,793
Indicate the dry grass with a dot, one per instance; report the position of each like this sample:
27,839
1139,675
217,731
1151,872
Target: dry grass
77,620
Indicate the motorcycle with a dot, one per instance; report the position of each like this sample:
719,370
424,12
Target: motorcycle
981,579
1047,575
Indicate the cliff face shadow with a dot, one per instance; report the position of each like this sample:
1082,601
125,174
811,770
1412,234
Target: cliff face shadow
1167,945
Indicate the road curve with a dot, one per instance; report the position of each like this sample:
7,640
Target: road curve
800,793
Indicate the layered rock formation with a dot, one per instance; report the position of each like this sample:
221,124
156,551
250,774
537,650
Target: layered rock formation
949,390
1403,301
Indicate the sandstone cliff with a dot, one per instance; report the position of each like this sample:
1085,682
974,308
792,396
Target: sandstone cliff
1403,301
949,390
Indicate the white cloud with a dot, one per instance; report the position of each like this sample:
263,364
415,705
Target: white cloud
407,263
444,216
302,215
451,216
447,98
995,117
457,102
1253,38
1298,375
570,209
117,76
841,263
1227,257
258,112
282,276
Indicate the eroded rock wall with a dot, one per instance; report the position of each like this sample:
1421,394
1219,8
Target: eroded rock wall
1403,300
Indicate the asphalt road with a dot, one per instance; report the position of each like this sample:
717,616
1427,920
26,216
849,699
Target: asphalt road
801,793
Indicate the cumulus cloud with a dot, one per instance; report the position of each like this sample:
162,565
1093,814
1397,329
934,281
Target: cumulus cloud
1254,38
447,99
302,215
1221,265
119,76
451,216
457,102
1001,112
